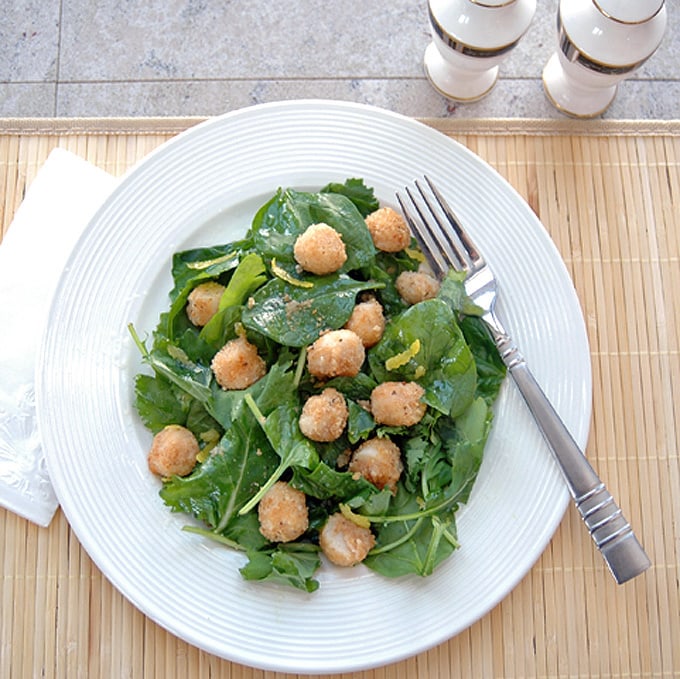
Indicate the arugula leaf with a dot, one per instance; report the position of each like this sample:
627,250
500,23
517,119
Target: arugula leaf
159,403
292,446
291,564
411,540
361,195
216,490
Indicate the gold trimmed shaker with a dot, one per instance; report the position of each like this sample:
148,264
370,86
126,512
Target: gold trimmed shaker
599,44
470,39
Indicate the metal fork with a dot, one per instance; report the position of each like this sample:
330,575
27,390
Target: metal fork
447,245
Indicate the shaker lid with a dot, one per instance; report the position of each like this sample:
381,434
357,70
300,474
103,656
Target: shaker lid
628,12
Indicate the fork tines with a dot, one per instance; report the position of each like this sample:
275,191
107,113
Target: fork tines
438,231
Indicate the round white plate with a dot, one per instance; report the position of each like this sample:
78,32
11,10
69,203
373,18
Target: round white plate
202,188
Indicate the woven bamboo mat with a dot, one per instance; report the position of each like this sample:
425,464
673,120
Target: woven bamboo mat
609,194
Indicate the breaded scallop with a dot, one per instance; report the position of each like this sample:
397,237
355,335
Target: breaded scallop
320,249
367,321
398,404
416,286
282,513
378,460
388,230
204,302
324,416
237,364
173,451
343,542
337,353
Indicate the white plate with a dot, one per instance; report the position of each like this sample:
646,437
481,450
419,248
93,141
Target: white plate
202,188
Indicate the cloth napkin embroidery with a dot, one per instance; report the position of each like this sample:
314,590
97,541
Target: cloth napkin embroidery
61,200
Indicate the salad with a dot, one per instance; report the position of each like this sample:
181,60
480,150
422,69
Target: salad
314,392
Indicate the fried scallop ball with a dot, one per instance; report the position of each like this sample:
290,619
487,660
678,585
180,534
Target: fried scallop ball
203,302
416,286
378,461
343,542
324,416
367,321
237,364
398,404
388,230
320,249
173,451
337,353
282,513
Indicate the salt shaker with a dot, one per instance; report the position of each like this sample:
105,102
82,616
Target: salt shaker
599,44
470,39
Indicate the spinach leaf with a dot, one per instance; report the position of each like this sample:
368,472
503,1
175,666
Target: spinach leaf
491,370
192,267
287,215
295,316
324,483
384,269
434,353
248,276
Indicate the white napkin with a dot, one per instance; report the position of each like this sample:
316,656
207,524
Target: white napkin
59,203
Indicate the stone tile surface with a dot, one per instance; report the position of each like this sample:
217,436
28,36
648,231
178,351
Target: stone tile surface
29,40
204,57
27,100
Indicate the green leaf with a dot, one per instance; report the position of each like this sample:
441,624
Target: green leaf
192,267
416,544
295,316
325,483
249,275
443,363
159,403
216,490
287,215
292,446
285,565
491,370
361,195
360,423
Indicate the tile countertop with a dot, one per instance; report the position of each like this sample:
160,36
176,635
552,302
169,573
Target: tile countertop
203,57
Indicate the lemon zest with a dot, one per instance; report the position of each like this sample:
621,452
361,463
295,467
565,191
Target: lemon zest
415,254
205,263
403,357
211,438
357,519
178,354
285,276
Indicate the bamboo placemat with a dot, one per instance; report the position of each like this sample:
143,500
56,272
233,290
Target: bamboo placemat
609,194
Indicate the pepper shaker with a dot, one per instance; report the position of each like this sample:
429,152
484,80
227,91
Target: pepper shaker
599,44
470,39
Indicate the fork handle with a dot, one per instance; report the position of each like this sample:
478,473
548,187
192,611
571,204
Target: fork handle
606,524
